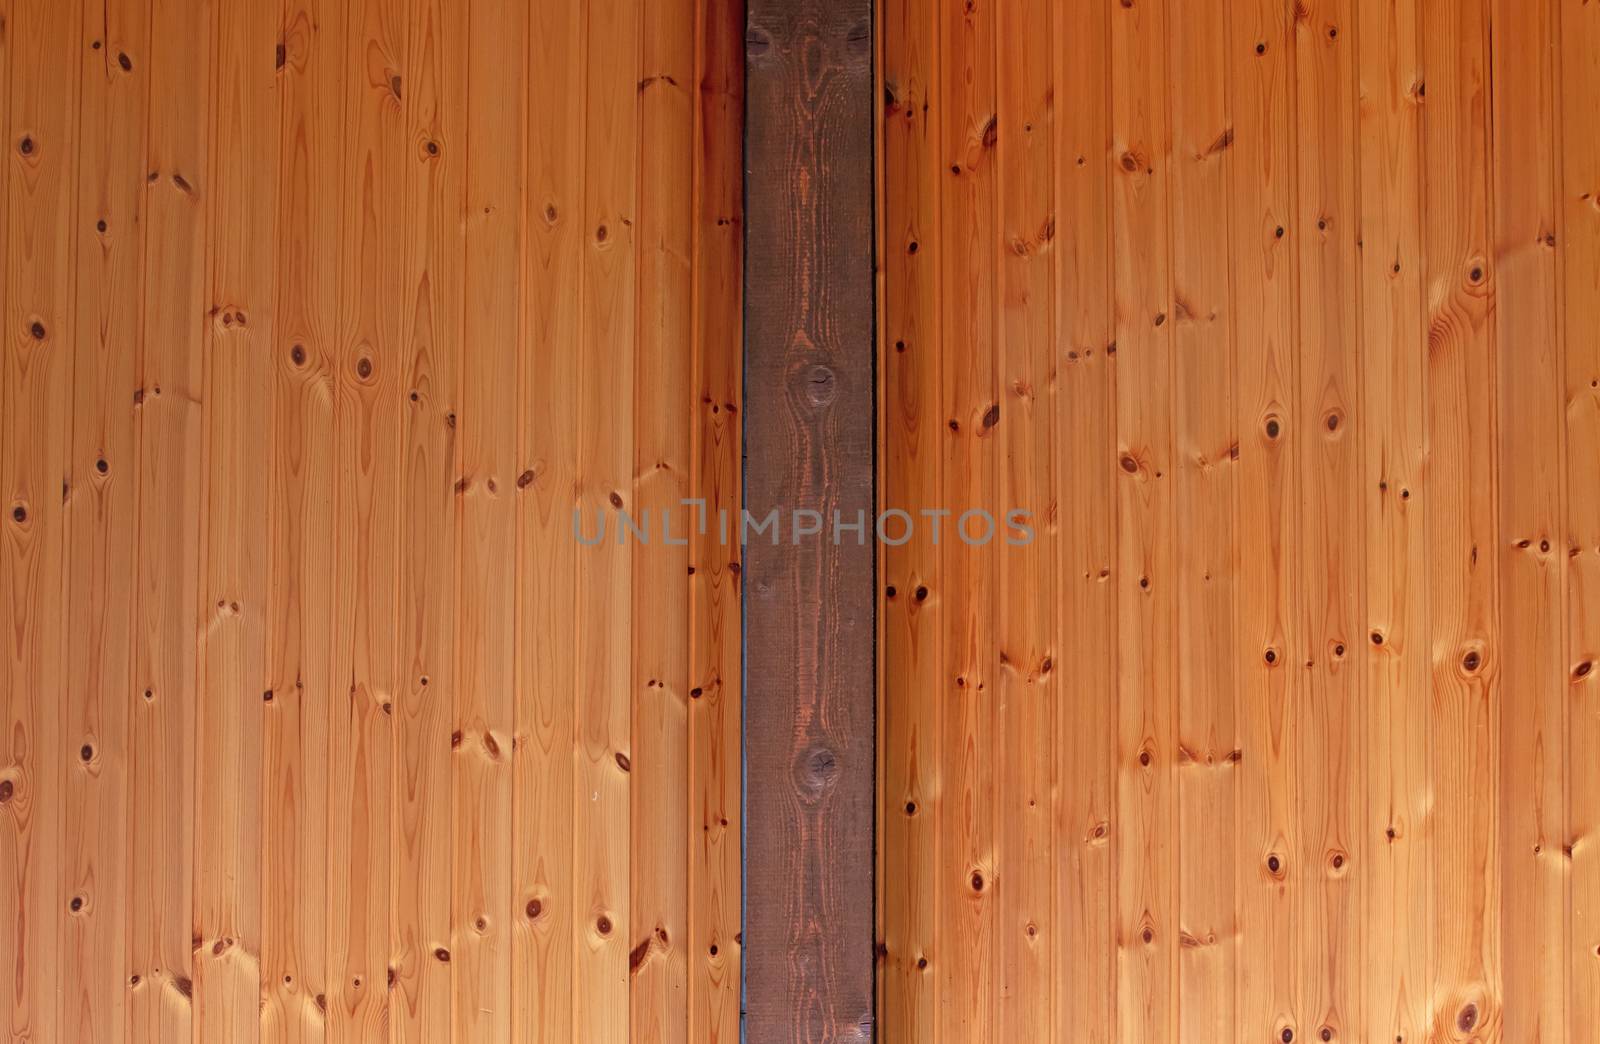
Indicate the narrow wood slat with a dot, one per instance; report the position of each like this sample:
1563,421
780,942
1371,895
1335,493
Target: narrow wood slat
1206,452
1532,564
1146,569
295,741
715,780
168,408
103,549
1394,447
35,482
1463,533
367,390
1260,63
658,851
482,899
1086,823
429,372
606,489
1327,438
1577,59
241,196
969,396
914,767
547,820
1027,684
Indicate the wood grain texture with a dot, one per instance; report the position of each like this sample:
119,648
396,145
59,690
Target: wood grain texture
808,620
1321,485
312,317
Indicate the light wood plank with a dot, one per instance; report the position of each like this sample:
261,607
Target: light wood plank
1462,527
168,408
606,489
103,513
547,672
1578,266
1146,569
35,481
1086,824
1260,61
715,764
1330,550
482,916
242,198
1206,451
420,1006
1027,684
1394,359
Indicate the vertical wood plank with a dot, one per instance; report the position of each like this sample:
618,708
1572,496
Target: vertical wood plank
1260,63
1027,683
168,407
716,784
606,396
1393,333
914,765
1086,819
1578,265
968,135
103,515
36,483
1529,375
1145,573
1462,526
1330,789
658,856
367,391
432,345
808,623
294,952
1206,449
480,953
545,820
234,607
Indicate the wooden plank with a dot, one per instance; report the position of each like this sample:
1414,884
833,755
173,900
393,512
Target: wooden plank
912,625
605,487
1578,267
35,481
1027,684
1394,358
482,899
1086,509
544,814
1533,837
368,392
103,511
809,669
431,331
658,856
1329,553
240,294
1462,526
1260,63
301,542
168,408
1146,570
969,397
1206,453
715,780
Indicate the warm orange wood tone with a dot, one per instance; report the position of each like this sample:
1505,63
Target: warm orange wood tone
1279,318
320,319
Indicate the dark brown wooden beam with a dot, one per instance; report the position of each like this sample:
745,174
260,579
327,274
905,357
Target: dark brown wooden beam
809,601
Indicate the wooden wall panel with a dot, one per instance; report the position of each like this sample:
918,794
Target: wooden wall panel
1319,484
322,723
